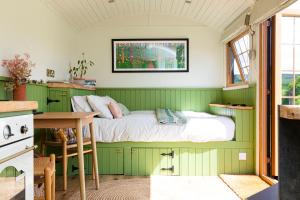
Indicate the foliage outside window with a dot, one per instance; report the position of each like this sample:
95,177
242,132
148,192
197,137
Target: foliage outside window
238,62
290,60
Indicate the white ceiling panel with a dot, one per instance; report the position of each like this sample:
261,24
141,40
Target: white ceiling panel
217,14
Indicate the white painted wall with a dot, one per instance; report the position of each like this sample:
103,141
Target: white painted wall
29,26
205,58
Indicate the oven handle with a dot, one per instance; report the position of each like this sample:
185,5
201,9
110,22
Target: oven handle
27,149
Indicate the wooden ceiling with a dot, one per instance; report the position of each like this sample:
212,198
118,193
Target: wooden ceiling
217,14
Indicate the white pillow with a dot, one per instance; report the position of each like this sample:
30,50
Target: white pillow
108,99
124,109
99,104
80,104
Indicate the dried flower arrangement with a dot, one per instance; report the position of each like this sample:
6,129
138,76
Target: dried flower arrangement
19,69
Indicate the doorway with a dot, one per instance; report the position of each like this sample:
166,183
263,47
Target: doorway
279,81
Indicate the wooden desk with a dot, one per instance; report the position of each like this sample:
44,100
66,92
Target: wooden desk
73,120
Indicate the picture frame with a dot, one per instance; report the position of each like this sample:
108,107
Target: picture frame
150,55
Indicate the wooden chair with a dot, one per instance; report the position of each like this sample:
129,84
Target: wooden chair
68,150
44,168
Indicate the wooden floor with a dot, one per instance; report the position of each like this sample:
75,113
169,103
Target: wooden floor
148,188
244,185
73,184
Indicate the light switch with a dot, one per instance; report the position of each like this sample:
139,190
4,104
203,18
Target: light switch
242,156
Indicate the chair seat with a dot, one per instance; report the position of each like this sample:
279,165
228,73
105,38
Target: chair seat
40,164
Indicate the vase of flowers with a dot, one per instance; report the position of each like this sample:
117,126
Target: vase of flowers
19,69
80,70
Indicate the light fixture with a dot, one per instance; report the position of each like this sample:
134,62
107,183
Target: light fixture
111,1
188,1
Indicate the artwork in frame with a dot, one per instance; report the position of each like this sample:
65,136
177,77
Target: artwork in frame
150,55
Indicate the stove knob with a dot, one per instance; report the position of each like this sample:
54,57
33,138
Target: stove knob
7,132
24,129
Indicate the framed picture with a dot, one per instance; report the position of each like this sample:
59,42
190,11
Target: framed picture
150,55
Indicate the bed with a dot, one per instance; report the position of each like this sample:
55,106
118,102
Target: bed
208,144
142,126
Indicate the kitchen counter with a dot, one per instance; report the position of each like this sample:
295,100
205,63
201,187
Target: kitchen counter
290,112
17,106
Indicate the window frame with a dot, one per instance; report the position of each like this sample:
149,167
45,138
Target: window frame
292,14
231,45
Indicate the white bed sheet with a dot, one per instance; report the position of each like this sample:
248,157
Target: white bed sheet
142,126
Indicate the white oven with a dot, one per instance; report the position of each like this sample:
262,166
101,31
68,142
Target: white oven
16,157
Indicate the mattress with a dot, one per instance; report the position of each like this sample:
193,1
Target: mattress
142,126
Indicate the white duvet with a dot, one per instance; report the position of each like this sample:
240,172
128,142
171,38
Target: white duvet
142,126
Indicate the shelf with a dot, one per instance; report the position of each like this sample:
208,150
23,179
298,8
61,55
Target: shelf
69,85
232,107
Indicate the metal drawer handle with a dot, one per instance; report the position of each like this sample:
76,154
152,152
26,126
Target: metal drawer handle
27,149
168,169
168,154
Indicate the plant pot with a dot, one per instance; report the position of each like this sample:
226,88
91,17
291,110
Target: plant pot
19,93
79,81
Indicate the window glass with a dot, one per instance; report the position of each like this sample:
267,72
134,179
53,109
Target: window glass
297,57
234,70
297,30
286,56
239,59
290,60
297,84
287,26
287,81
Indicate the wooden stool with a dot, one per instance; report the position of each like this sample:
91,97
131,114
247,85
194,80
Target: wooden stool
67,152
45,167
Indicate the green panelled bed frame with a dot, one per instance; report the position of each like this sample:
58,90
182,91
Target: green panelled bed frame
182,158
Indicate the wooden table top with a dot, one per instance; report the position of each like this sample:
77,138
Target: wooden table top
65,115
16,106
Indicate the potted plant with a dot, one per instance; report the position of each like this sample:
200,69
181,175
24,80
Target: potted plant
78,72
19,69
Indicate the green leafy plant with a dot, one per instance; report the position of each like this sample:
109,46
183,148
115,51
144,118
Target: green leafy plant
82,66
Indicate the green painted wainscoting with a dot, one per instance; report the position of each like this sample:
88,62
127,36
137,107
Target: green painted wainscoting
63,95
196,99
240,96
4,94
39,93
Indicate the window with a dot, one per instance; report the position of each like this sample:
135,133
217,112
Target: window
238,62
290,60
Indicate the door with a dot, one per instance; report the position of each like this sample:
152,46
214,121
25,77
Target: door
268,94
58,100
154,161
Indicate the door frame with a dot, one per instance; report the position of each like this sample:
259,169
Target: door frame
263,159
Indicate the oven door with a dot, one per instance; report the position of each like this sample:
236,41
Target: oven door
16,173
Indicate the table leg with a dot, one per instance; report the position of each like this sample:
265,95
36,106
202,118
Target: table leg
80,158
95,162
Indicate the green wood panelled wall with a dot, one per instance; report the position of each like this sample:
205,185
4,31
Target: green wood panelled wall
4,94
241,96
196,99
63,95
39,93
